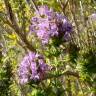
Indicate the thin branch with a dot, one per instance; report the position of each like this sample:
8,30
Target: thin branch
22,7
63,6
16,27
12,16
32,5
75,74
50,76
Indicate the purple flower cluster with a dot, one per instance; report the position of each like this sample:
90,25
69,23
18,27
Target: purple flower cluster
32,67
47,24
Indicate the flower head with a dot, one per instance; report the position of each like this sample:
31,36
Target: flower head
47,24
32,67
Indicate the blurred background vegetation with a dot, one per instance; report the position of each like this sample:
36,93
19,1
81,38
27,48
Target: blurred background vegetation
75,67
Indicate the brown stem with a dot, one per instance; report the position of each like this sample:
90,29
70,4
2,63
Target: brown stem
15,26
63,6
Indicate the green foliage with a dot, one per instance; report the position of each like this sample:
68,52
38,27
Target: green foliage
77,57
5,79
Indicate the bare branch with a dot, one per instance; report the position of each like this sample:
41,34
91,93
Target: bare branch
16,27
75,74
50,76
32,5
63,6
